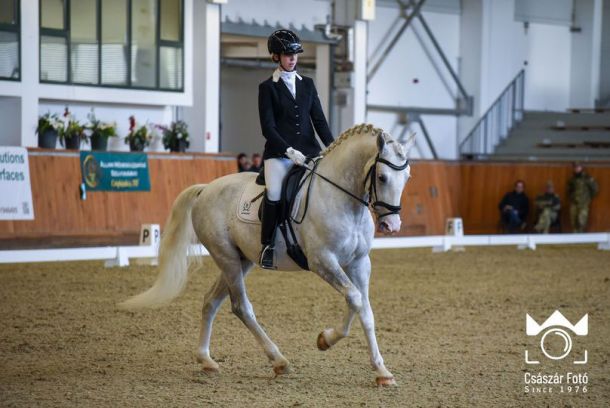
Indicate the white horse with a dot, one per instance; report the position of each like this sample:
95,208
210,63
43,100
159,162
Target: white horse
364,165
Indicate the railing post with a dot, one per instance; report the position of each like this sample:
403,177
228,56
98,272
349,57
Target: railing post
513,88
522,96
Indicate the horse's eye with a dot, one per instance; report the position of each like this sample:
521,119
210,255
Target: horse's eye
382,178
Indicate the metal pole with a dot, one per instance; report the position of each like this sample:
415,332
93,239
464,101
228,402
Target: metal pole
443,57
392,43
376,51
427,136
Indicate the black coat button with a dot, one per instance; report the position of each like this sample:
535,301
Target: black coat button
297,115
298,133
298,124
296,106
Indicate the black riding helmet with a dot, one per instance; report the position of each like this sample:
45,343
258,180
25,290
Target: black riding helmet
284,42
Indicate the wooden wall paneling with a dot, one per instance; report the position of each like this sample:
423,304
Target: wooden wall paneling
436,191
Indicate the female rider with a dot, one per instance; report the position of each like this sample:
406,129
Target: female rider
289,110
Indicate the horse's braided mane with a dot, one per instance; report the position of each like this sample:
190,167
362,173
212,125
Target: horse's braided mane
357,129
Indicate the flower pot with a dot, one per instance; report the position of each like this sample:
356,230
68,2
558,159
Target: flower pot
178,145
73,142
48,139
136,146
99,142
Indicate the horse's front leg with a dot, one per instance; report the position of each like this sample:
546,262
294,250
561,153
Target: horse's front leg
327,267
330,336
360,272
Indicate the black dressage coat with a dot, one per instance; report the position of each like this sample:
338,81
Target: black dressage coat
289,122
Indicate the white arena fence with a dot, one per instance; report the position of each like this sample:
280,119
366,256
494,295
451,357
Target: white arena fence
121,255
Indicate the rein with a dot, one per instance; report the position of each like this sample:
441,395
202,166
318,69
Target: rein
371,173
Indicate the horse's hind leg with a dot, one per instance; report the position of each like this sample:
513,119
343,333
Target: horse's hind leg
242,308
212,301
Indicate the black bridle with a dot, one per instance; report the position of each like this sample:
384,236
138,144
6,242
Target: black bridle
372,174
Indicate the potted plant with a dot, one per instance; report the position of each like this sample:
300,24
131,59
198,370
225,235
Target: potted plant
99,132
73,132
49,126
176,136
138,137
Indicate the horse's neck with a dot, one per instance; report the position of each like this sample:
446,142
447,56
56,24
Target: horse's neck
347,163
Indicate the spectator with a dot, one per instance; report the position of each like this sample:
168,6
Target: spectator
243,164
581,190
257,162
548,206
514,208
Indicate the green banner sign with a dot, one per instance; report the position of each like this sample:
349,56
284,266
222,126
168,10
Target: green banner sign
112,171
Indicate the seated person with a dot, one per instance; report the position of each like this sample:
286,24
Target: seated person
514,208
243,163
548,205
257,162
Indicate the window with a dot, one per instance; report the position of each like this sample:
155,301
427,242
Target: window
53,41
10,55
170,44
115,50
84,44
144,43
117,43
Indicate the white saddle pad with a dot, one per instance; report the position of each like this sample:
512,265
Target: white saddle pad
247,211
247,208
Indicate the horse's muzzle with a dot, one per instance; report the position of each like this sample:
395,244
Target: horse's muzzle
389,225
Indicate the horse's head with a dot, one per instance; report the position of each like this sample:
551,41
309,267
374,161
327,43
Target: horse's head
388,174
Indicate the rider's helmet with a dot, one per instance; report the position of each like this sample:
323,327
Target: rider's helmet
284,42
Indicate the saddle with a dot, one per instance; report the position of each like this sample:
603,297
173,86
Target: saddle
290,200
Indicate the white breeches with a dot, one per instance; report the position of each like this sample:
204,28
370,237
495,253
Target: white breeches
275,171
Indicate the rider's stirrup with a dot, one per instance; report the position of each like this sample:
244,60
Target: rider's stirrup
266,260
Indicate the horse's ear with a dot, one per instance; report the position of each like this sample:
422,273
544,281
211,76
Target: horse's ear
409,143
380,142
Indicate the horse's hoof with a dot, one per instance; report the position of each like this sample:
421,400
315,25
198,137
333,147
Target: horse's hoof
322,344
281,369
385,381
209,365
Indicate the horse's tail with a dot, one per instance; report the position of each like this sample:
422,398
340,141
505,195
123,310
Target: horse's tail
173,254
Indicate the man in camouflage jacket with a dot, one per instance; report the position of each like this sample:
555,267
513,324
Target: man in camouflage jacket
581,190
548,206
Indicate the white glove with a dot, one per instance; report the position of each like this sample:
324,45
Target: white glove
297,157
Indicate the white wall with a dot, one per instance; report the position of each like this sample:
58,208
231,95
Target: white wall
547,80
395,81
240,125
543,50
504,50
10,112
115,113
604,60
581,66
471,45
562,67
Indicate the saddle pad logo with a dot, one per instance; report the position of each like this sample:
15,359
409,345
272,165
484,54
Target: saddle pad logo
245,208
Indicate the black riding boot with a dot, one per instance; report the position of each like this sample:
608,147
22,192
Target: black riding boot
268,229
